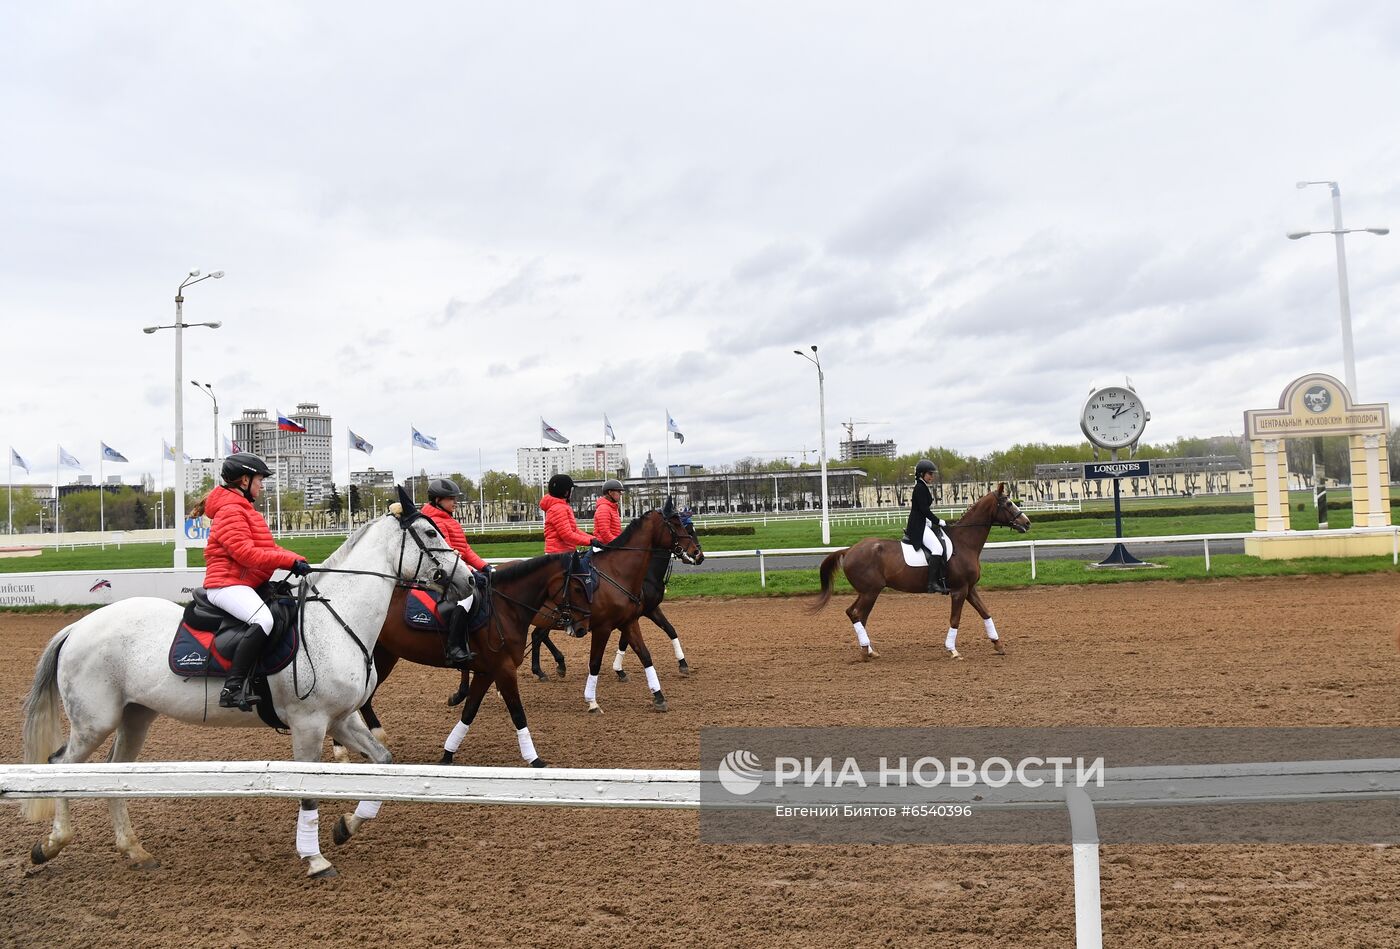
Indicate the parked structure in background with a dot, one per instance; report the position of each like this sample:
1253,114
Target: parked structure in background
854,449
301,460
372,478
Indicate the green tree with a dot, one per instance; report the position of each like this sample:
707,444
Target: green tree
25,513
334,503
140,515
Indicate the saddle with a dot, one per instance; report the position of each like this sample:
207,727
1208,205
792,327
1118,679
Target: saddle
207,638
420,609
580,567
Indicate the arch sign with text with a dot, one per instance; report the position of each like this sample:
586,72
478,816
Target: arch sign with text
1312,406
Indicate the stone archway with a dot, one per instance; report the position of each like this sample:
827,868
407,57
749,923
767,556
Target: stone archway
1314,405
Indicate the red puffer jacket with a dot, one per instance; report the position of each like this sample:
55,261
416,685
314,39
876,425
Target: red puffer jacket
240,550
607,521
561,533
449,528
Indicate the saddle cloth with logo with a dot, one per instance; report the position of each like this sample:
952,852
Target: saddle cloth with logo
914,557
207,638
420,609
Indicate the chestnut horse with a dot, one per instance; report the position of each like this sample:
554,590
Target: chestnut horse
876,563
528,593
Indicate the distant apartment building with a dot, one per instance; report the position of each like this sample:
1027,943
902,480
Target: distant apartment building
372,479
537,465
301,461
854,449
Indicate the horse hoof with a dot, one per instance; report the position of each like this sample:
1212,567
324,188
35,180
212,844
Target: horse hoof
539,763
868,652
621,674
148,863
954,654
683,668
37,856
446,758
341,834
594,708
339,753
998,648
560,669
658,703
541,675
319,868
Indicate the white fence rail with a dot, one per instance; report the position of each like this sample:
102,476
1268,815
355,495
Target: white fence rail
1286,782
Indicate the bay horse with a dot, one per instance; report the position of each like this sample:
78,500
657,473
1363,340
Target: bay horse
110,671
876,563
530,592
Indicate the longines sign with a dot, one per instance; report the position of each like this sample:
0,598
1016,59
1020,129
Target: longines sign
1317,404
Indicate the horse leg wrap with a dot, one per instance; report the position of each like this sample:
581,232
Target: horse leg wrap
454,740
862,636
590,689
676,645
617,661
527,745
368,810
951,641
308,833
991,629
653,682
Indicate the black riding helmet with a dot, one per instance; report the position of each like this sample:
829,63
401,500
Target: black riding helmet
440,488
560,486
924,466
242,463
612,484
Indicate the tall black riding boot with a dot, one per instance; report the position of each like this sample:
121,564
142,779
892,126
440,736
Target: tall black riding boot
937,575
459,653
235,693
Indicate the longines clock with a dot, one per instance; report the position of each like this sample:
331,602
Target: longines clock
1113,417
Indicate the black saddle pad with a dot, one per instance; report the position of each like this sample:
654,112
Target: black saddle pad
420,610
584,570
207,638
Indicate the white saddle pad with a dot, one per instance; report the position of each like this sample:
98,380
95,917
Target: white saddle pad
915,557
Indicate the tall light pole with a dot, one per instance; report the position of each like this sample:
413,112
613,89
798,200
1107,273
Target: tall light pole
815,360
178,515
208,389
1348,356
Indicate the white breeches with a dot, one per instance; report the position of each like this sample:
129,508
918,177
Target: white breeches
242,603
933,541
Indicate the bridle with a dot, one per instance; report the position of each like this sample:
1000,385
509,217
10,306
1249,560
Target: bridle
1003,503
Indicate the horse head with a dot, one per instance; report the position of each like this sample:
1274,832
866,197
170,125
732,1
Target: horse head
685,545
435,561
1007,514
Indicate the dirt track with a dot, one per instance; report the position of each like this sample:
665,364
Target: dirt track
1312,651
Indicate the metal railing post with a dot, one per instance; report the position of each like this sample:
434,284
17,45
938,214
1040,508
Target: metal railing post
1206,542
762,575
1088,908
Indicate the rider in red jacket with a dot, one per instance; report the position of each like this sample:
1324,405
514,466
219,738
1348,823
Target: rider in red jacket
561,533
240,554
607,519
442,501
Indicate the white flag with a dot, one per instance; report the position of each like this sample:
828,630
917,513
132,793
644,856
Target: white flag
671,427
67,460
550,432
15,459
424,441
359,444
111,454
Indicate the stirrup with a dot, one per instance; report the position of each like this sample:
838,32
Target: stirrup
237,696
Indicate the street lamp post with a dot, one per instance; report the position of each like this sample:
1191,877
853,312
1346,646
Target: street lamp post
177,516
208,389
1338,231
815,360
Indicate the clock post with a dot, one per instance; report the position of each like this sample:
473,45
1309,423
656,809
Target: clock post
1114,418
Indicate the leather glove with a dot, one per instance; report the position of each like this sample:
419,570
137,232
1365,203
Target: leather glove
300,568
595,545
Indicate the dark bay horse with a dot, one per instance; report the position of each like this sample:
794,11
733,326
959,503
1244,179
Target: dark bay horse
529,593
876,563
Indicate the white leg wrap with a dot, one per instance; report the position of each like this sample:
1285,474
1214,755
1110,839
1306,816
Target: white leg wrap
862,636
454,740
951,642
617,661
590,689
653,682
991,629
368,810
308,833
527,745
676,645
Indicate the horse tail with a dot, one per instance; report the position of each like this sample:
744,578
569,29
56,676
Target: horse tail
43,725
828,568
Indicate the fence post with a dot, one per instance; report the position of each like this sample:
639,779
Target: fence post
1032,560
762,576
1084,832
1206,541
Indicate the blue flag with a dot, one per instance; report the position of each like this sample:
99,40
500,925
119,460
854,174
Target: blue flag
111,454
424,441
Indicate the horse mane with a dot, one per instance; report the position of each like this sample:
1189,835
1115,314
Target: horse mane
526,567
338,556
632,527
978,504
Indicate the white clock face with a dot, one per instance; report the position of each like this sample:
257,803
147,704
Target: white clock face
1113,417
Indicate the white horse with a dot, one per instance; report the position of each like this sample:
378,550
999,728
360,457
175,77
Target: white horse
111,672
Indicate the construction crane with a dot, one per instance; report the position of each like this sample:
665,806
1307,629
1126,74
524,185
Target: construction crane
850,426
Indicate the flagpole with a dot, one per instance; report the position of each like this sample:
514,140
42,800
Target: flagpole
55,496
277,450
10,477
667,436
101,507
162,485
349,514
412,485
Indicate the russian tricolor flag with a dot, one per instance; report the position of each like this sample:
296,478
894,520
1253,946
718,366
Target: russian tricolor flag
287,425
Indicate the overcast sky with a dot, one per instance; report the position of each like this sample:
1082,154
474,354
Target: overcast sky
465,217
